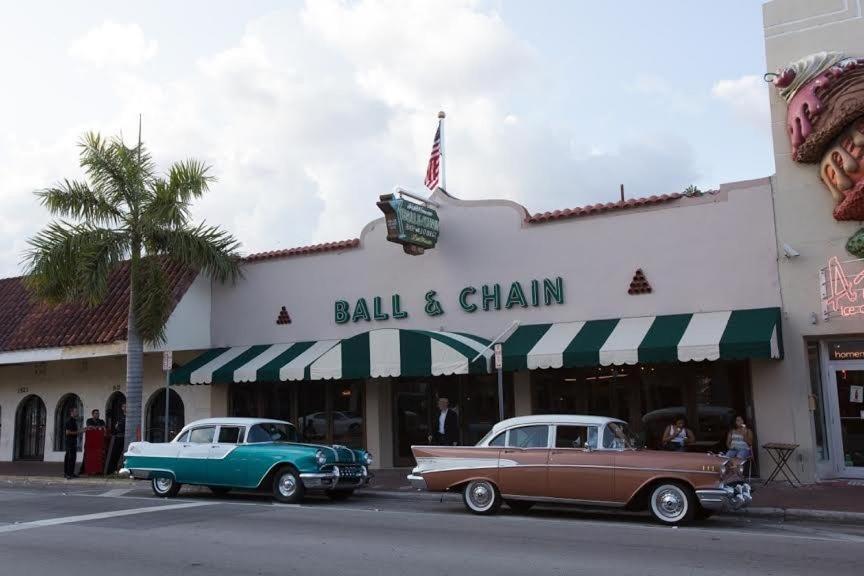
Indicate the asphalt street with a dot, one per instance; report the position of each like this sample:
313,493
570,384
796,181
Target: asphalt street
75,529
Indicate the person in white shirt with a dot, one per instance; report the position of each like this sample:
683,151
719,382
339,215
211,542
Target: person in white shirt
445,425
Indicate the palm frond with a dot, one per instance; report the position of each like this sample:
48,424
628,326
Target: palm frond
189,179
74,199
72,262
164,208
152,300
205,248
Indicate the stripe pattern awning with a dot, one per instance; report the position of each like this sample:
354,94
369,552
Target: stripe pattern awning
391,352
374,354
731,334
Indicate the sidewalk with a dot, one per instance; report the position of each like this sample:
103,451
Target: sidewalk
837,500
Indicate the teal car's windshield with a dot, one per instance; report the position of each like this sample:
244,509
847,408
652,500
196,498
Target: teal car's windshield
271,432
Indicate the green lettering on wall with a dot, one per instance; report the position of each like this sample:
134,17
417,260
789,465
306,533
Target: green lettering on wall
398,313
376,309
433,307
516,296
463,299
492,298
535,293
553,291
342,312
361,311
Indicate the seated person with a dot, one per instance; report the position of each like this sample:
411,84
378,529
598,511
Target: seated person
739,440
677,436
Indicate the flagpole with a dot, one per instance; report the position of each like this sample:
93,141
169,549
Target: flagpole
443,181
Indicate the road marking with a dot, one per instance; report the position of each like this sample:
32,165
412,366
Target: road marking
97,516
115,492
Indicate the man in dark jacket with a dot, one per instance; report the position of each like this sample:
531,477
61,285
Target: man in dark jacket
70,438
445,426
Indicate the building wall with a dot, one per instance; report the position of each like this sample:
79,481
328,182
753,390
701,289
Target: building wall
684,247
93,380
803,207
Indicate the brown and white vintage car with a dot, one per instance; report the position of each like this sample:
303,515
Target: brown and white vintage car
586,460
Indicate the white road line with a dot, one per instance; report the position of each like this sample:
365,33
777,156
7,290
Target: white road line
116,492
97,516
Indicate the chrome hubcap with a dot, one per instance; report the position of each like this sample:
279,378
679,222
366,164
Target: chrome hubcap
669,503
480,495
163,484
287,485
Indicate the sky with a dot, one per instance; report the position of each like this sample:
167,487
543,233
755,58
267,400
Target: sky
308,111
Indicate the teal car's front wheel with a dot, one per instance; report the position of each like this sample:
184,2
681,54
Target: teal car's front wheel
287,486
164,486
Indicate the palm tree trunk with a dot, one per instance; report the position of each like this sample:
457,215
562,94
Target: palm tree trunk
134,360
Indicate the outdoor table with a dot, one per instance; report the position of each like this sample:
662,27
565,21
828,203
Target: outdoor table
780,454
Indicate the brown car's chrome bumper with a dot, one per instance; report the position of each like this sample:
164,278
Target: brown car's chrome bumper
417,481
725,498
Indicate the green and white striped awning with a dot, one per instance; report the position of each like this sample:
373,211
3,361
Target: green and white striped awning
390,352
648,339
374,354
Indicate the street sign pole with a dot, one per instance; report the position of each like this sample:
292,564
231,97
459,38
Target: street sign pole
499,366
167,361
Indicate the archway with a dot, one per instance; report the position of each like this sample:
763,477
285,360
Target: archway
64,406
155,423
113,410
30,429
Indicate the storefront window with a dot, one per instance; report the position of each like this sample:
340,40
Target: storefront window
816,406
709,395
347,413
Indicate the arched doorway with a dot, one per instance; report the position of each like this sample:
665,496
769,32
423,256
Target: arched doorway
30,429
61,414
113,409
155,425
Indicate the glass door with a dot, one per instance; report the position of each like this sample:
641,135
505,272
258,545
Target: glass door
850,421
412,407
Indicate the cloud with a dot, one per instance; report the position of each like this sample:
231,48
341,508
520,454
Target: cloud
309,115
665,95
747,97
114,44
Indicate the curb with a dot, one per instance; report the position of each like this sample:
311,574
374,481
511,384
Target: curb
803,514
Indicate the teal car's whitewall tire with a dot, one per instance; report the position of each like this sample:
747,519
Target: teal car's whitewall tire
164,486
287,486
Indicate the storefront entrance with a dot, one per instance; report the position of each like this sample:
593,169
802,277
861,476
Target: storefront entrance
415,404
843,397
30,429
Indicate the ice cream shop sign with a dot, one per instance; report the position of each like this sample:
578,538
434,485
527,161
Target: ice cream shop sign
841,286
471,299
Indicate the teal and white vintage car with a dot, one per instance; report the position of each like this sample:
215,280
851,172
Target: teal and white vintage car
247,454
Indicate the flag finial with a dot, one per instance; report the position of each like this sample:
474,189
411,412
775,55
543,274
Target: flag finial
441,114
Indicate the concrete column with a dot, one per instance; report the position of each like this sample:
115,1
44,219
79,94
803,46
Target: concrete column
522,393
379,422
218,400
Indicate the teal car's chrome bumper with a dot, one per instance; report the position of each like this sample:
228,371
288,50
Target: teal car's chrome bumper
337,477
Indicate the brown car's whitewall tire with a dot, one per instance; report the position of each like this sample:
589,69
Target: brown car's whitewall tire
481,497
671,503
164,486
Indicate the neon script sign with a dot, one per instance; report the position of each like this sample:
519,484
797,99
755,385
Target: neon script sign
846,296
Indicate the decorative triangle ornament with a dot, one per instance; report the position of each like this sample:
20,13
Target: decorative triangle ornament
283,317
639,284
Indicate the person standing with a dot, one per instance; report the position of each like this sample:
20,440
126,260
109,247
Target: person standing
70,436
677,436
94,422
446,425
739,440
115,445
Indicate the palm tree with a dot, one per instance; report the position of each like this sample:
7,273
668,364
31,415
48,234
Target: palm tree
123,211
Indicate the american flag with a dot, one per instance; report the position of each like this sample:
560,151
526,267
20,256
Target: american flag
433,170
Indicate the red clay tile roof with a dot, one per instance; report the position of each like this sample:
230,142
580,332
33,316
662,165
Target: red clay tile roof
26,323
590,210
314,249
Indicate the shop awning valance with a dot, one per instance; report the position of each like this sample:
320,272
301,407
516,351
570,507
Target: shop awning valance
374,354
261,363
730,334
391,352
